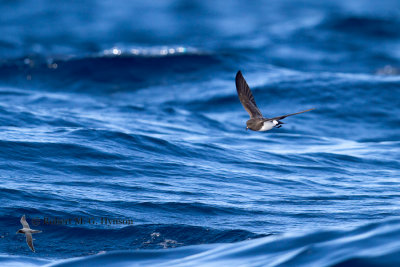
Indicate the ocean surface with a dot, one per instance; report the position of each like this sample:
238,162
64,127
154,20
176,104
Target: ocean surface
123,140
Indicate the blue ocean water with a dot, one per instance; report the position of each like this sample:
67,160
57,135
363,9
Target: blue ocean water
123,140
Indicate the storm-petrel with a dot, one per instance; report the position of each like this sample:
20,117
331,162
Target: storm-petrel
28,232
257,122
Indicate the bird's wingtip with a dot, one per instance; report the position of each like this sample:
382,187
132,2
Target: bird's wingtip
307,110
239,73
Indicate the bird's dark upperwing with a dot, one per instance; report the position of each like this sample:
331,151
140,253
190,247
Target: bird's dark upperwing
29,241
246,97
24,222
284,116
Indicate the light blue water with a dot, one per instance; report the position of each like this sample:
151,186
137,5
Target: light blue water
125,110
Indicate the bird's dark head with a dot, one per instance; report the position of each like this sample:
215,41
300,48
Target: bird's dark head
248,125
253,124
19,231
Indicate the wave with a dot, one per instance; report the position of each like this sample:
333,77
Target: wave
363,26
374,244
107,234
106,72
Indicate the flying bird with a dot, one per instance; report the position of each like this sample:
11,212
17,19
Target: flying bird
28,232
257,122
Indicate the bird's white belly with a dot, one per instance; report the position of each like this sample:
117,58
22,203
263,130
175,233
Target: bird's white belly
268,125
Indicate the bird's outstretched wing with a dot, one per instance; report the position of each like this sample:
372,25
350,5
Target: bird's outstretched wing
284,116
24,222
246,97
29,241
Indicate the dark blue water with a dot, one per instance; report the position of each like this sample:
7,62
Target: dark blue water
127,112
